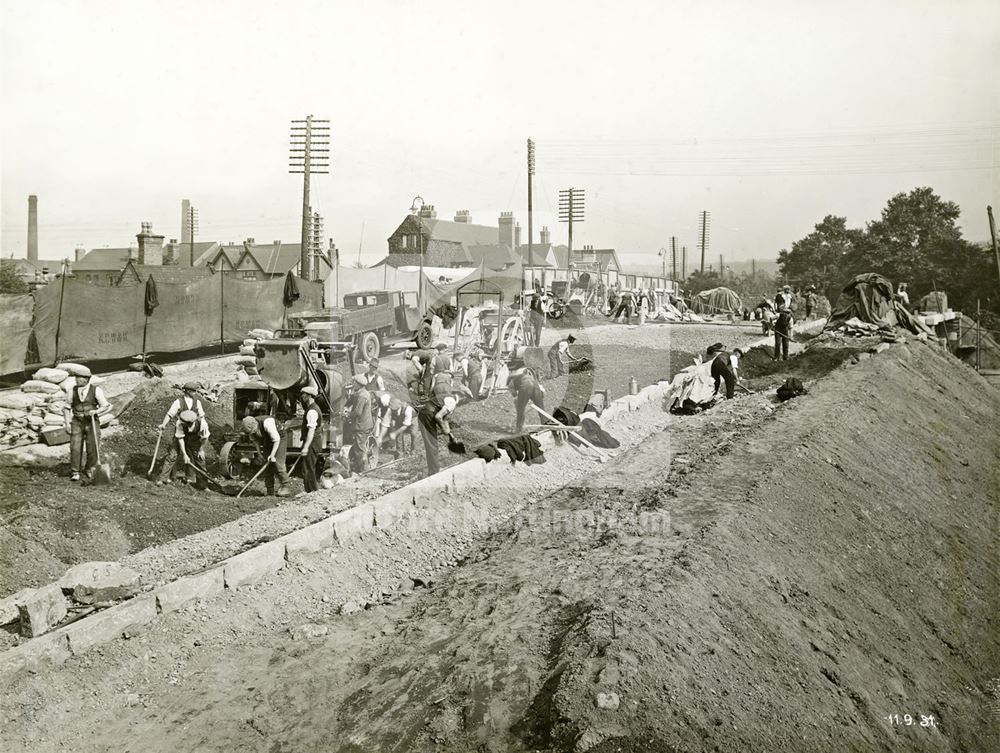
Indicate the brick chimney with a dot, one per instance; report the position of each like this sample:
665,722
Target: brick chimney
78,253
517,236
150,246
428,212
186,221
545,236
506,235
32,228
171,253
462,215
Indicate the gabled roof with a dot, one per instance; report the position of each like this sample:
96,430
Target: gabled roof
172,273
28,267
494,256
203,251
276,259
104,260
461,232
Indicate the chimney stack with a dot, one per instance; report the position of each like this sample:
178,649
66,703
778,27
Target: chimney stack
462,215
428,212
517,236
32,228
150,246
506,236
171,253
186,221
79,253
545,236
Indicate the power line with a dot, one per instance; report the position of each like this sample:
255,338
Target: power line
309,154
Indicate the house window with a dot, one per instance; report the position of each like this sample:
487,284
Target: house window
250,275
404,241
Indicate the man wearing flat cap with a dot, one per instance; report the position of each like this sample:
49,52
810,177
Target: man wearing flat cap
189,401
190,437
87,403
263,431
312,426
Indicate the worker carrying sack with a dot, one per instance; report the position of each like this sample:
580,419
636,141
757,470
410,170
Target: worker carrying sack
791,388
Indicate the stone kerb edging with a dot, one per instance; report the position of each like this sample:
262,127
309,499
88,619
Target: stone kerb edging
263,560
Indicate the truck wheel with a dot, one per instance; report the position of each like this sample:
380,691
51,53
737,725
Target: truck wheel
229,462
424,337
370,346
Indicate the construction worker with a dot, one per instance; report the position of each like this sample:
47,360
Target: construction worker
312,426
359,424
557,352
443,385
810,297
524,388
394,420
536,320
472,370
442,361
82,421
189,440
782,333
375,381
188,401
724,367
263,431
784,298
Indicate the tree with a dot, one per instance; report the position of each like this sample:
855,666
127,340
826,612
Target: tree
10,283
820,257
915,241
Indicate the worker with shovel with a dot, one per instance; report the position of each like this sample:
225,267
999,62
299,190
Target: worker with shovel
263,431
190,437
82,422
724,367
556,354
782,333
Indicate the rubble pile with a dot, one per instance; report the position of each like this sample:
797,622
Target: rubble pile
35,413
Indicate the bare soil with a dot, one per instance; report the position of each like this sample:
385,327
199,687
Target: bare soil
805,570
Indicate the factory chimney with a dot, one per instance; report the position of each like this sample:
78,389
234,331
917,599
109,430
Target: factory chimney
32,228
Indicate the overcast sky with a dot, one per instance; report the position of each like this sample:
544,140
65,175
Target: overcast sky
768,114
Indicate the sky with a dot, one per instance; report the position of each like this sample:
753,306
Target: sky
769,115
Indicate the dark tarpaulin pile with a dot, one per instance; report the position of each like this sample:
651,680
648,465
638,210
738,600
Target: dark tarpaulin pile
869,299
719,300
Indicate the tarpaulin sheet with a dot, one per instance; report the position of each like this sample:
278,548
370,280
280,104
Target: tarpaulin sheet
344,280
868,297
97,322
719,300
106,323
15,313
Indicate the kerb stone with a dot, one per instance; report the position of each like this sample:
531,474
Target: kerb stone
191,588
392,507
47,650
255,564
42,610
350,524
109,624
312,538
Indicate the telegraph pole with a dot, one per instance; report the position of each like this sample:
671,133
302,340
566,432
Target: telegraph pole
192,219
673,258
316,243
531,172
570,211
703,237
684,262
309,154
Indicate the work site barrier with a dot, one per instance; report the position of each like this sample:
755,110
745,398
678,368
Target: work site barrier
76,320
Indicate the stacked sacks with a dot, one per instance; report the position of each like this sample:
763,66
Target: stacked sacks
246,363
26,415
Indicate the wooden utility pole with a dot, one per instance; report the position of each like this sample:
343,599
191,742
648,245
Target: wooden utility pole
684,262
703,237
673,258
192,220
570,211
309,155
993,237
531,172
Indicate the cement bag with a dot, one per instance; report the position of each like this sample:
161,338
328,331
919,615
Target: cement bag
39,386
35,422
73,369
10,414
261,334
21,400
249,342
56,376
247,350
97,380
51,419
68,384
57,406
246,361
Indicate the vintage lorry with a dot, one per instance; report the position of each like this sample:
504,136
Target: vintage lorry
369,319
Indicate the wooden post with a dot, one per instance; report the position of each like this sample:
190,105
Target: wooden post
993,237
222,310
62,293
979,337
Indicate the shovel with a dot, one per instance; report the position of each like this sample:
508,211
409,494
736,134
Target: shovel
156,452
208,478
102,471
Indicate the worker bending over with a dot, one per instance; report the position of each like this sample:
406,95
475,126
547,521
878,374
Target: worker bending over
558,352
524,388
395,421
725,367
190,437
263,432
472,370
82,421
